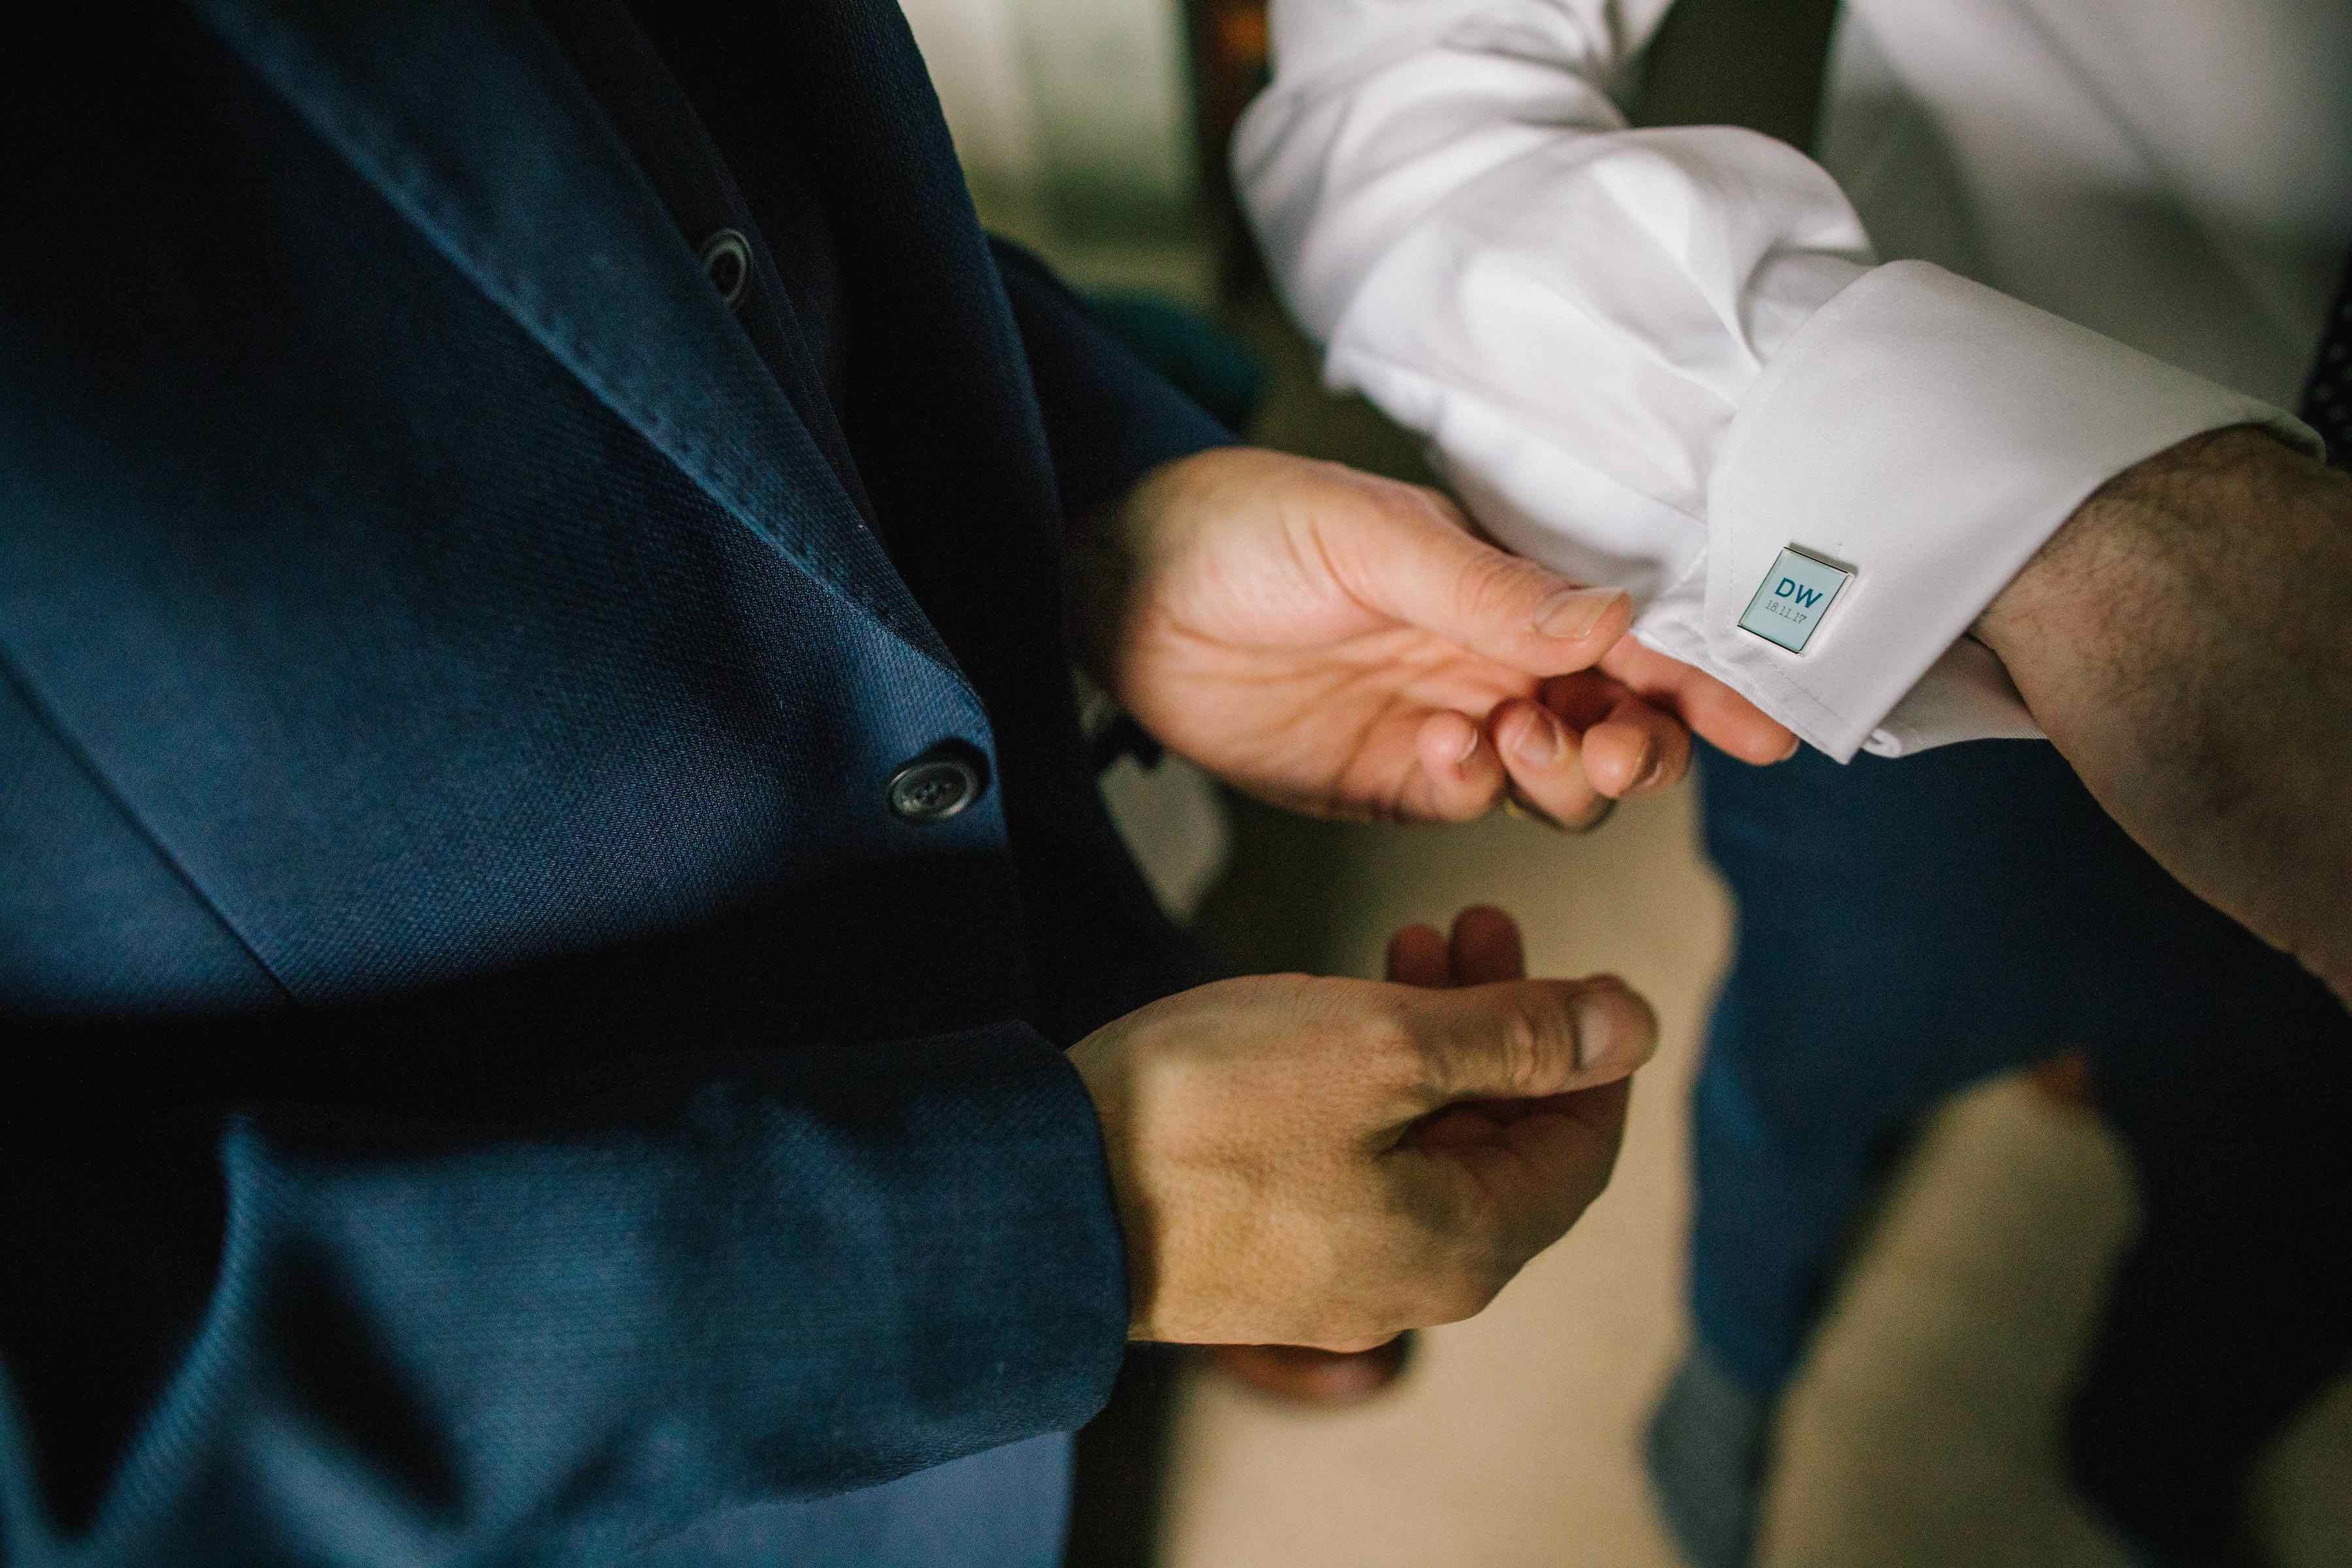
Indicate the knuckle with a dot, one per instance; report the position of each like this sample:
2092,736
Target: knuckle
1393,509
1427,505
1526,1052
1488,582
1403,499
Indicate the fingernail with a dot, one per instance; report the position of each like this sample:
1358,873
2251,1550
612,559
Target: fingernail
1605,1028
1794,744
1647,766
1538,741
1574,612
1469,744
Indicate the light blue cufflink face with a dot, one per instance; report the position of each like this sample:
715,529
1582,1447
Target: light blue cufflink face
1791,600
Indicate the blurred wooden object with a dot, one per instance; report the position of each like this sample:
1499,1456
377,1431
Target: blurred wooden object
1230,64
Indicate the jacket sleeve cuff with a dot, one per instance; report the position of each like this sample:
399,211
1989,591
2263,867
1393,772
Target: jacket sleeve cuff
1924,434
1109,419
802,1270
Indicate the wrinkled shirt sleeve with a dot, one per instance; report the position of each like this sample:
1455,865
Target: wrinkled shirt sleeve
1660,357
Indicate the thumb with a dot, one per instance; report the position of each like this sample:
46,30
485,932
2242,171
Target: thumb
1524,1039
1412,557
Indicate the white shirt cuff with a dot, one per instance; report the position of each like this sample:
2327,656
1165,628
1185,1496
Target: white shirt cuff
1925,434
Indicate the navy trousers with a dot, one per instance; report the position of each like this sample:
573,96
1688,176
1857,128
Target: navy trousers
1909,928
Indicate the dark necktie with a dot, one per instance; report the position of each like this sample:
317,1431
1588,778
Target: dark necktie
2327,399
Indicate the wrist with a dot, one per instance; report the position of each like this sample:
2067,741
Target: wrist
2181,641
2120,554
1108,552
1099,572
1093,579
1101,1070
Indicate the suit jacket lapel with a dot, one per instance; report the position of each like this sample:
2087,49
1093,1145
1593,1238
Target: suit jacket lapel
469,120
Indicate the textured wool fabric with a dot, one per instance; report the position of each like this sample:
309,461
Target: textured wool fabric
491,1078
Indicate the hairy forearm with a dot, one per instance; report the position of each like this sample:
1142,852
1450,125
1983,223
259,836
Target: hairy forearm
2185,640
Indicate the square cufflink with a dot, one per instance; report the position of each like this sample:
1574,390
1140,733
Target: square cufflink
1793,597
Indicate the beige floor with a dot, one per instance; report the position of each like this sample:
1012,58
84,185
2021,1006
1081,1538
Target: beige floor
1923,1432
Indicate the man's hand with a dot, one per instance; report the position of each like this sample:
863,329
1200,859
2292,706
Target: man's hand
1329,1162
2186,641
1343,644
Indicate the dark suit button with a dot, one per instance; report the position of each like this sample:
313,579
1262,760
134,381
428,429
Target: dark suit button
935,787
727,262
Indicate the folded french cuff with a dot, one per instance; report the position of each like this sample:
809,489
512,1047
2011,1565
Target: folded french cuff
1913,444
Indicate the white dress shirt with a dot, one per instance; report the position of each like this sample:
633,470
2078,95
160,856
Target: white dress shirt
2046,239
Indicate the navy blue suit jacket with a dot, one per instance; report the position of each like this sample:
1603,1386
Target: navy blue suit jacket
488,1078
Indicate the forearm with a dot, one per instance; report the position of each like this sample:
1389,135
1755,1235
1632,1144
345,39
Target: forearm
2186,641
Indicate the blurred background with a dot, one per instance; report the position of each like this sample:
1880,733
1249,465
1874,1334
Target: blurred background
1925,1428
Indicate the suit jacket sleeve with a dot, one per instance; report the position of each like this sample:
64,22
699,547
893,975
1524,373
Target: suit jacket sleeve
524,1310
1109,417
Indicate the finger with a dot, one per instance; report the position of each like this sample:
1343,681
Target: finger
1486,947
1459,777
1545,765
1542,1170
1410,555
1417,956
1522,1040
1582,699
1636,748
1712,709
1734,725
